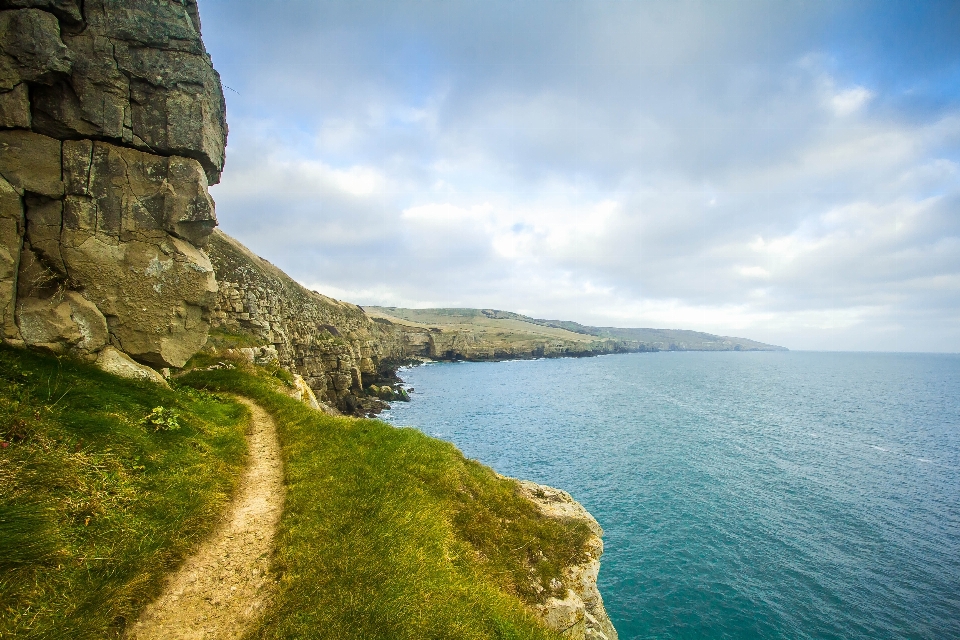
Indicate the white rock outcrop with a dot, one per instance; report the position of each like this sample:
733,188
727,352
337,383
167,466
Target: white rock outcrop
580,615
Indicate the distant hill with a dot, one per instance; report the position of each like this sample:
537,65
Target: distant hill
494,334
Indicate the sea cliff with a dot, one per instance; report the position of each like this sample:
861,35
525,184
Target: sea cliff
112,126
580,613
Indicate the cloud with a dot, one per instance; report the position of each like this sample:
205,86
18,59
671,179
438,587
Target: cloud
850,100
730,167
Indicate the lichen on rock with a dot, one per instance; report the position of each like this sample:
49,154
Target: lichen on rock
112,125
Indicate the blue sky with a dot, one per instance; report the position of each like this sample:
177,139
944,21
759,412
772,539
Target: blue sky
784,171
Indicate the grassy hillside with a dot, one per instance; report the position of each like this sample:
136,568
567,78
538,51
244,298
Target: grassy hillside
388,533
97,503
491,326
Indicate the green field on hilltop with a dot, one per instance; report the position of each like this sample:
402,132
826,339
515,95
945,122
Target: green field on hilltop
508,327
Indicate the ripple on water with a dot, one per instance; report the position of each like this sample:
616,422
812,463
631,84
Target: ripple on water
743,495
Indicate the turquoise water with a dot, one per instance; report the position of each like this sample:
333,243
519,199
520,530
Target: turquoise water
743,495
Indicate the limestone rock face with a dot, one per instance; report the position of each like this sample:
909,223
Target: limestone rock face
331,344
580,615
137,75
11,240
154,291
66,322
112,125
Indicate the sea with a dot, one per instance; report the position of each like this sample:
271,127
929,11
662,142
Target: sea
742,494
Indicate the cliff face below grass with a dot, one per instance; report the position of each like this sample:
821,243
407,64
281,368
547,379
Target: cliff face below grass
490,334
111,127
580,613
333,345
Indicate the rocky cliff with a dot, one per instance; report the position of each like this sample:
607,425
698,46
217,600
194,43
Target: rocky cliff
111,128
486,334
580,614
491,334
333,345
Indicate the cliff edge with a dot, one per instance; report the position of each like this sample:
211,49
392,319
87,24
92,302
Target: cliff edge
580,614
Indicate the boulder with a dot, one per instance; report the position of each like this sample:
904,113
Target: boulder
121,192
155,291
125,233
67,322
304,393
120,364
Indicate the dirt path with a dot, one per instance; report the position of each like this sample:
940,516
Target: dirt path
222,588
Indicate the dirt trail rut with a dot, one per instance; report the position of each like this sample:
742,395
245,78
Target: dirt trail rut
224,586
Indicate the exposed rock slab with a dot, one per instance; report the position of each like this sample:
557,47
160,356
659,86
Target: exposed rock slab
580,614
112,125
120,364
66,322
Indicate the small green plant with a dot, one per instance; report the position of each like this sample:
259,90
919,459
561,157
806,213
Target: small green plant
95,507
162,419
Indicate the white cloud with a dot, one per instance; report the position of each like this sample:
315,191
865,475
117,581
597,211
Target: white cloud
685,166
850,100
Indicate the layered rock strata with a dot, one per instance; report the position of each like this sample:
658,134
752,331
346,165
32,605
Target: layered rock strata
111,128
333,345
579,615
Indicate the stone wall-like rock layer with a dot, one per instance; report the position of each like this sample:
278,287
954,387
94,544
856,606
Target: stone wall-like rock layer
112,124
332,344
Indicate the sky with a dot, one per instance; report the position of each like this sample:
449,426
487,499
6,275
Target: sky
782,171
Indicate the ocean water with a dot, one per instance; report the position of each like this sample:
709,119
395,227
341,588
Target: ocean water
743,495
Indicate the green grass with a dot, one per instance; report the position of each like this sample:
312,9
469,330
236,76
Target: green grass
97,504
388,533
221,338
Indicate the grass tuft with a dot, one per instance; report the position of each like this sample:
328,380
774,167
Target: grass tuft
96,505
